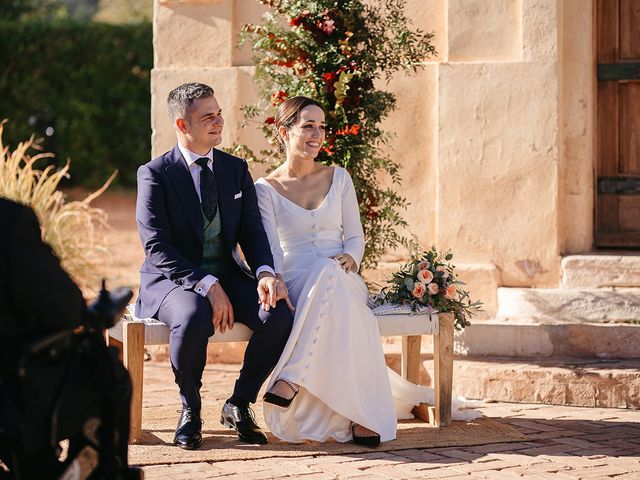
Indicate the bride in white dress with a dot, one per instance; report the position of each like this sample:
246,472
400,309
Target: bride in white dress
331,380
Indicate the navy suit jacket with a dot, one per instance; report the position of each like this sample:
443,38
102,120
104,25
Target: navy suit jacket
169,218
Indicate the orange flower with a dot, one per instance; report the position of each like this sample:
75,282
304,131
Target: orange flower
425,276
418,289
450,294
349,130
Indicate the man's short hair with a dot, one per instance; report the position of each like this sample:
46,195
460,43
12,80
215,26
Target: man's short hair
181,98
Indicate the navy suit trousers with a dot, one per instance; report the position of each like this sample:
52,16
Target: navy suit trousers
189,317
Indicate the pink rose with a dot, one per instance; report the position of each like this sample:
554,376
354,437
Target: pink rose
425,276
423,265
433,288
418,289
450,294
443,270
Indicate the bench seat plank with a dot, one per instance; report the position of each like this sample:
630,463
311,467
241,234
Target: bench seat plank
157,333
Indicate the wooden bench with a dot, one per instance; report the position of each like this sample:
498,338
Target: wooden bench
132,334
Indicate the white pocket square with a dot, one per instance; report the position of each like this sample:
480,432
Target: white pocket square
237,195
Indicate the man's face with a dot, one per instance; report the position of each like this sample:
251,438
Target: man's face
203,127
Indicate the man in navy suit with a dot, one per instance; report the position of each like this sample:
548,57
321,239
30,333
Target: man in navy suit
195,206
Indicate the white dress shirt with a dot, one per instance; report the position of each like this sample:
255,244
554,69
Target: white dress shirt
203,286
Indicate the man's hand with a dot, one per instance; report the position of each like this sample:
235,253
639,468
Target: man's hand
271,289
346,261
222,309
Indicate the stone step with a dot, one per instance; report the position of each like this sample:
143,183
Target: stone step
562,305
555,381
601,270
515,339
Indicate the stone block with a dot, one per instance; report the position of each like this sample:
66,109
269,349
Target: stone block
497,338
516,339
577,110
597,271
557,381
559,305
412,129
482,281
245,11
484,30
497,195
193,35
430,16
540,20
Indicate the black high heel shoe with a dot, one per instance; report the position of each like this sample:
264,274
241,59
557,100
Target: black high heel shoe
277,399
368,441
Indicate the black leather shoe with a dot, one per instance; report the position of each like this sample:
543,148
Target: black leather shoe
188,435
368,441
242,420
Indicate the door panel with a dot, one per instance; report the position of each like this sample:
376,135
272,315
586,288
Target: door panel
629,29
630,127
629,209
618,124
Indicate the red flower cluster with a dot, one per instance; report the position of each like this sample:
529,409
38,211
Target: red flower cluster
326,24
299,20
330,78
270,120
278,97
283,63
349,130
329,147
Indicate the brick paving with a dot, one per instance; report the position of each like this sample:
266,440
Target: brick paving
561,443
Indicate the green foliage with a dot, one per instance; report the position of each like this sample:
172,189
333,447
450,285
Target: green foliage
21,10
333,51
83,88
74,230
429,279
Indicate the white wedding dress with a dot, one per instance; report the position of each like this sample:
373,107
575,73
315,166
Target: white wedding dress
334,351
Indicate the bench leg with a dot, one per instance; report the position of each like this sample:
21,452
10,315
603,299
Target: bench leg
443,369
133,349
411,358
112,342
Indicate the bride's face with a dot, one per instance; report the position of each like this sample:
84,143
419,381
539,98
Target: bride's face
305,137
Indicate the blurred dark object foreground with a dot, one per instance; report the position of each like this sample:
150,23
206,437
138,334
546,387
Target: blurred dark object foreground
58,379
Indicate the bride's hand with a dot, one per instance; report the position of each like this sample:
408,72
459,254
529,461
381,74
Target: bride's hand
347,262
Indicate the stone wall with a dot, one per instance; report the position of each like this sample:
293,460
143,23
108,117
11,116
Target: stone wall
495,135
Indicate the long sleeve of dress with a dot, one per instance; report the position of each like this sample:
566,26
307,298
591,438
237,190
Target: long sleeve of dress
269,222
353,235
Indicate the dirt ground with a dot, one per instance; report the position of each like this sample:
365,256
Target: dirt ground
126,254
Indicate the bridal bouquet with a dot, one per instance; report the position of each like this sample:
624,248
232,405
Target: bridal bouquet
429,281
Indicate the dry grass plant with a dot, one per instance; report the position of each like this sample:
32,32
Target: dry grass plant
72,229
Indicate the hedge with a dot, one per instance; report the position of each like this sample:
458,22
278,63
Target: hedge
84,84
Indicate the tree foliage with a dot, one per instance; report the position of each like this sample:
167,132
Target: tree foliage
83,89
338,52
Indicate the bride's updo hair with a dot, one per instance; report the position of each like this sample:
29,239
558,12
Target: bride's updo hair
288,113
